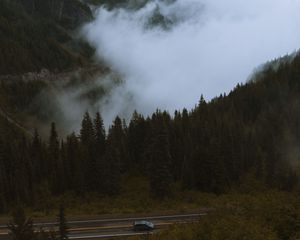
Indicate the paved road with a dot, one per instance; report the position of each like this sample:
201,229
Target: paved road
111,227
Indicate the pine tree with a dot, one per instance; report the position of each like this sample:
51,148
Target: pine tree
99,164
136,141
114,156
99,131
89,159
23,172
75,175
37,158
53,158
21,228
112,173
160,158
117,140
8,167
62,168
87,130
63,228
3,180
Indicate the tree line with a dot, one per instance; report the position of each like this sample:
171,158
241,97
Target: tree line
252,131
22,227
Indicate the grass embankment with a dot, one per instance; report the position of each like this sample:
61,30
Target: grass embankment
135,198
268,215
251,214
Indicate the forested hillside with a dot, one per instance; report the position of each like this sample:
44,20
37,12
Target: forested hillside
36,35
251,133
237,155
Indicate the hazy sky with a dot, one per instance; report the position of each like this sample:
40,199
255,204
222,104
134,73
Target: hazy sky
211,47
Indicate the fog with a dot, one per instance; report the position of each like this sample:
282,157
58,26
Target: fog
171,52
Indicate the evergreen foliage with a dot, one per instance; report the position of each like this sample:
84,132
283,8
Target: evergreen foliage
53,159
87,137
20,227
159,158
251,132
63,228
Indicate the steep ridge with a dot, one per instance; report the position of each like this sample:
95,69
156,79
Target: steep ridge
33,40
36,99
13,122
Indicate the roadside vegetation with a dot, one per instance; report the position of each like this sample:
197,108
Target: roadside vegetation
236,157
267,215
255,195
250,134
254,215
21,227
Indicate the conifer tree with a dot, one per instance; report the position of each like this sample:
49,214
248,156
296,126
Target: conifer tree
75,163
112,173
87,130
3,177
99,163
136,141
62,168
53,158
63,228
21,228
89,159
99,131
114,156
160,159
117,141
36,157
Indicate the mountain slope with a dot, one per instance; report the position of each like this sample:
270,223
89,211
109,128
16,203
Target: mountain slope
31,41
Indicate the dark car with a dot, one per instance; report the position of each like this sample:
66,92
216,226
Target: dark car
143,226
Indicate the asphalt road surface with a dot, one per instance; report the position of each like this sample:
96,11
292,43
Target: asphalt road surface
112,227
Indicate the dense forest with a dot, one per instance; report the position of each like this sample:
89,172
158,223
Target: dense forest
253,131
246,139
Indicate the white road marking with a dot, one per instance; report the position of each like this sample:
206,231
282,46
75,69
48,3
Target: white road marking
110,235
120,219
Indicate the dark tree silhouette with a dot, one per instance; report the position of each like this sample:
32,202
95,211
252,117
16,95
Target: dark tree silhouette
21,228
63,227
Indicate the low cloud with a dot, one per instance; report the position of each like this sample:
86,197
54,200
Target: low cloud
171,52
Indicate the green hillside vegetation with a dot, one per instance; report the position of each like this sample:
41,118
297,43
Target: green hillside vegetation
37,99
68,13
257,215
30,42
249,134
237,154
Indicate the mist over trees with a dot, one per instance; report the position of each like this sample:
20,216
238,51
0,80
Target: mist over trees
211,148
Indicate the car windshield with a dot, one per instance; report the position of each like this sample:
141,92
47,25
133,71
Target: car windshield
144,223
